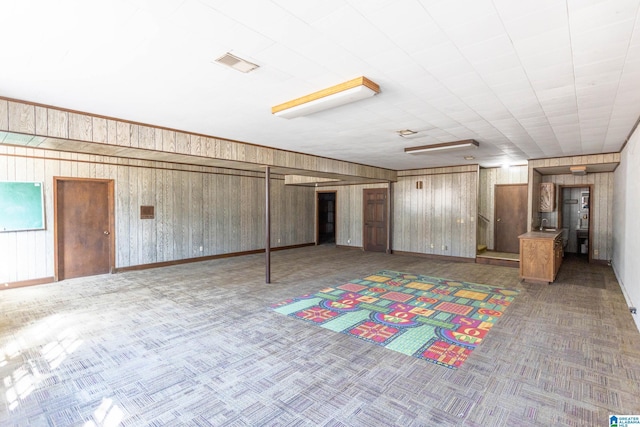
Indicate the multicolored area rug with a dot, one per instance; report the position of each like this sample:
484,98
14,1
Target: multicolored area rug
434,319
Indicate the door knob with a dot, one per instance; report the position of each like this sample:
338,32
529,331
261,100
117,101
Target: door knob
106,232
498,220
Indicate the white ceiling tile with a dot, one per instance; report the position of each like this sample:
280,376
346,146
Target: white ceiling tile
535,77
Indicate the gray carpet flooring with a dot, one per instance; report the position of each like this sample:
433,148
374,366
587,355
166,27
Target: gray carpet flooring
198,345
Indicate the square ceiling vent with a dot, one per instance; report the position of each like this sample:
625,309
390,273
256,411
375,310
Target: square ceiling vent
236,63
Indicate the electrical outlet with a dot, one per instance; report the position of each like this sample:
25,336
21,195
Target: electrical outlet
432,246
278,240
201,249
633,310
445,247
596,252
348,241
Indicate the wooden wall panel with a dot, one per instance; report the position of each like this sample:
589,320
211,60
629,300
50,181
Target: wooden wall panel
43,121
601,209
438,219
220,211
349,199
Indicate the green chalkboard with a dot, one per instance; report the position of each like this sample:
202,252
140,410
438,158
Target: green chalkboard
21,206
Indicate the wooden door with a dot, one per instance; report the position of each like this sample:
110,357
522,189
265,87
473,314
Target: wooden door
510,216
83,227
374,235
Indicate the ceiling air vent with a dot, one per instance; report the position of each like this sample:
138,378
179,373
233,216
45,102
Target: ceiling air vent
236,63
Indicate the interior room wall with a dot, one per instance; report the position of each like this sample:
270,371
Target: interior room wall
489,177
601,199
626,235
349,212
601,202
220,211
440,217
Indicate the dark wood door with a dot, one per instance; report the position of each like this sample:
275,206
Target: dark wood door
375,220
84,238
510,216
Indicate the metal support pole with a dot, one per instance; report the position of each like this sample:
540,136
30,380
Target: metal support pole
389,211
267,224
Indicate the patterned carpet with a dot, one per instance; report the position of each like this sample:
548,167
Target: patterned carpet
430,318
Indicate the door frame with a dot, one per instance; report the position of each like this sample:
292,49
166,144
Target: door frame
561,213
56,235
335,215
495,228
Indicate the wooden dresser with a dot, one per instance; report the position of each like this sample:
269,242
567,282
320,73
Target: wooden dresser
540,255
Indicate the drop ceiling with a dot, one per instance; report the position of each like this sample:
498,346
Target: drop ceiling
526,79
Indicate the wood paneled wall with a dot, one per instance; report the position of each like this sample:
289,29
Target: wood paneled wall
601,200
349,211
489,177
220,210
45,121
440,217
601,209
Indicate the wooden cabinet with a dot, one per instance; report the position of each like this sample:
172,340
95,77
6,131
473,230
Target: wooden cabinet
540,255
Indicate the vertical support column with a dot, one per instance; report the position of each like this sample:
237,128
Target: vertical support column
389,210
267,224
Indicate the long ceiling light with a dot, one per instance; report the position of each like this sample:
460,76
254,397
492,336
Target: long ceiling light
444,146
334,96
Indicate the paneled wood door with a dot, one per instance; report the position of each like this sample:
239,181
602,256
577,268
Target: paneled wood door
374,235
510,215
83,227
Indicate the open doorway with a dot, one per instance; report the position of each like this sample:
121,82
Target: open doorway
574,218
326,217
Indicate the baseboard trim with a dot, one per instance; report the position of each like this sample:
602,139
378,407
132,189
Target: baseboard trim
349,247
25,283
205,258
499,262
434,256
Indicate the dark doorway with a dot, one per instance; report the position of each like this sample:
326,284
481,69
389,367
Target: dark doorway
326,217
574,218
510,216
375,220
83,227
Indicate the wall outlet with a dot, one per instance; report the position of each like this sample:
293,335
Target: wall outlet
201,249
445,248
596,252
348,241
633,310
278,240
432,246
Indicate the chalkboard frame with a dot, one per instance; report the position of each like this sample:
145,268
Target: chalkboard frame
18,215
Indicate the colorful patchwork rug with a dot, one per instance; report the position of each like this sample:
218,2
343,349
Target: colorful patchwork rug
434,319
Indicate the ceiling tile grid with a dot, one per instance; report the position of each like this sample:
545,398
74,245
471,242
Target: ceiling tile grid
527,79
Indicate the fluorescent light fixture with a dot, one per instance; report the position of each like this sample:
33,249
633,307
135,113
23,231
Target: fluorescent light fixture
578,170
441,147
334,96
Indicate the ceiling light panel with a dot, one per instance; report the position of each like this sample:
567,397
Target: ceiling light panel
334,96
